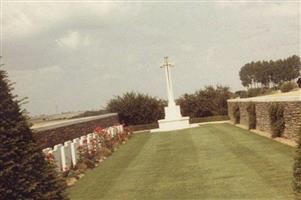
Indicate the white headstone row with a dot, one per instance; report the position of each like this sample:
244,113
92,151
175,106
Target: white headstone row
66,155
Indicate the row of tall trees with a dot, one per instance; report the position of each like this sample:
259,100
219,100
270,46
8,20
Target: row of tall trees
270,73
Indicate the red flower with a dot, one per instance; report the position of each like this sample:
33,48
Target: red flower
98,130
49,157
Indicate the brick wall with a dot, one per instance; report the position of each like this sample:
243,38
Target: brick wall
292,114
55,134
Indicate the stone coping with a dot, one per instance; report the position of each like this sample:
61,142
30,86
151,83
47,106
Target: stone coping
268,99
63,123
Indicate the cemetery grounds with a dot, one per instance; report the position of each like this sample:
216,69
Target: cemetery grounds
213,161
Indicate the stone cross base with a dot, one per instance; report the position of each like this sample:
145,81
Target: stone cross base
173,120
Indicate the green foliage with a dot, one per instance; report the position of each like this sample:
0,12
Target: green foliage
209,119
254,92
135,108
236,114
24,172
209,101
252,115
241,94
141,127
265,73
288,86
276,111
297,168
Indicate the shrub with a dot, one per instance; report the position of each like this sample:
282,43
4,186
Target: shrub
276,111
236,114
241,94
135,108
253,92
24,171
297,168
210,101
252,115
288,86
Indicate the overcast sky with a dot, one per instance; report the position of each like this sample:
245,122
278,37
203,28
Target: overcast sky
79,55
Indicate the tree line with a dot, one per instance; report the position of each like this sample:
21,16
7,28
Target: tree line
209,101
269,73
136,108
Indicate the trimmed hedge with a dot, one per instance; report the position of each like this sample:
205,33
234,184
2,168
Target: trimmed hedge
143,127
209,119
252,115
192,120
276,111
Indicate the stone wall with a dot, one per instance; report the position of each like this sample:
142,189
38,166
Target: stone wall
244,117
263,122
57,134
292,113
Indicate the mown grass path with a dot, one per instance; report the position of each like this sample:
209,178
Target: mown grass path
216,161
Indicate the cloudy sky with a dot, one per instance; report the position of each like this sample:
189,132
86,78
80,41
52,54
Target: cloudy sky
77,55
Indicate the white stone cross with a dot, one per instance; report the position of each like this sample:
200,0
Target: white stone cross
167,65
173,119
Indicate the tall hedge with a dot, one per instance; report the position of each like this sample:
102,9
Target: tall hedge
24,173
135,108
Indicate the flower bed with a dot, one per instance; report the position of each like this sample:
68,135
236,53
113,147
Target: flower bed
74,157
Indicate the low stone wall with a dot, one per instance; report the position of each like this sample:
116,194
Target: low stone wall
292,113
263,122
51,135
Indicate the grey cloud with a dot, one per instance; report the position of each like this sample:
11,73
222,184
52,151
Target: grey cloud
99,50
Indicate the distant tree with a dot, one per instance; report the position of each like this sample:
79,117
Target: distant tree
135,108
246,75
24,172
293,66
267,73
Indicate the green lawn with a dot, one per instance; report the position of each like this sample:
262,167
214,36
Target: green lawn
217,161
